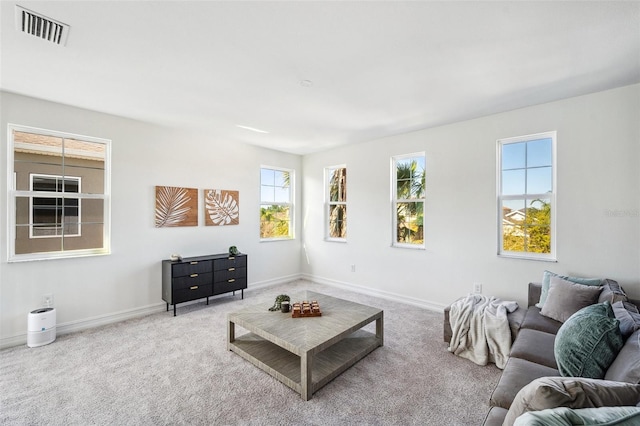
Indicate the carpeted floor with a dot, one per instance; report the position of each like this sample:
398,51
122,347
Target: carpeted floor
161,370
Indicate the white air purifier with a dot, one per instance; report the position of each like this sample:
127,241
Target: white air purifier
41,327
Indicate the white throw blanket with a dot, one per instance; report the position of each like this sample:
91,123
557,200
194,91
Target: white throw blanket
480,329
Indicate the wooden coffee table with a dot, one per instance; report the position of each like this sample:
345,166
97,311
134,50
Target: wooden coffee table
306,353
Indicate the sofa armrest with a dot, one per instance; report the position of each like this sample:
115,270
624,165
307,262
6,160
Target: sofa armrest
535,289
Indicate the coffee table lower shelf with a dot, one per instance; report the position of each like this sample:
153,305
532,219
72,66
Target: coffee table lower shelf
286,366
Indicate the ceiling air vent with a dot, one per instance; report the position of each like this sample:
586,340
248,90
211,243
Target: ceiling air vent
40,26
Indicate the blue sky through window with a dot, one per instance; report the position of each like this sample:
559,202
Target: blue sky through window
274,186
527,167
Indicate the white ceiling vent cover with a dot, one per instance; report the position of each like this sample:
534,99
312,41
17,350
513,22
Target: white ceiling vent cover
40,26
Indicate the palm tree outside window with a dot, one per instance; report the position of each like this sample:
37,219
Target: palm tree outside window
408,189
336,203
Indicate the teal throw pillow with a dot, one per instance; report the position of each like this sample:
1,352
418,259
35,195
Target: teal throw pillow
588,342
546,281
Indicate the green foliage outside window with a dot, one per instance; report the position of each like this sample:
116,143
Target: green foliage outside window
276,207
532,233
410,192
274,221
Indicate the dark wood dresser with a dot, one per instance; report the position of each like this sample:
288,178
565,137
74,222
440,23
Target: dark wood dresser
201,277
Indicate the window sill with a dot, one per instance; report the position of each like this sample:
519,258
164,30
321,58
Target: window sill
409,246
528,257
272,240
16,258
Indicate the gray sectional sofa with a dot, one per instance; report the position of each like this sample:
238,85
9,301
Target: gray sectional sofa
532,357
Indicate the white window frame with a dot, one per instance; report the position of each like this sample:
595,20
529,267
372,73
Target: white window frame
13,194
50,194
290,203
329,203
394,201
552,256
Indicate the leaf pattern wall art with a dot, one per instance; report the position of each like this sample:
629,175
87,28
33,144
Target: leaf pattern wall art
176,206
221,207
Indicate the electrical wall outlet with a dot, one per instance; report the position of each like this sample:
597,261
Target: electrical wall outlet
47,300
353,268
477,288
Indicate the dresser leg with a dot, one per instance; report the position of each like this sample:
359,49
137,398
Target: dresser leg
167,307
174,309
242,292
207,300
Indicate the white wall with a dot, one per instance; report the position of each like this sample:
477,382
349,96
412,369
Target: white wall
598,211
128,282
598,204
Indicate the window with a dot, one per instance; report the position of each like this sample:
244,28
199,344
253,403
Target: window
408,197
55,216
58,194
276,203
336,202
526,196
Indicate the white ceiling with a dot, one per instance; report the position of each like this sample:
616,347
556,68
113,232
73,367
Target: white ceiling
377,68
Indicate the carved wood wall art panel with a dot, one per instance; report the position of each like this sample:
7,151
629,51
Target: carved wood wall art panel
176,206
221,207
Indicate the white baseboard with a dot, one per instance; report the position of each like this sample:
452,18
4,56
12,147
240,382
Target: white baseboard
426,304
84,324
274,281
100,320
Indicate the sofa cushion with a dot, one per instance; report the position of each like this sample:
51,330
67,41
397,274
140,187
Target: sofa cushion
546,277
626,366
588,342
565,298
495,416
535,346
552,392
516,375
535,321
612,292
629,317
581,416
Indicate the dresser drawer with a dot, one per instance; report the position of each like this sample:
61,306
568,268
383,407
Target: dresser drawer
195,267
232,284
229,262
231,273
191,280
192,293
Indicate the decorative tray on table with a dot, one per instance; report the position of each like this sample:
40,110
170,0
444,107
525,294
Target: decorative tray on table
306,309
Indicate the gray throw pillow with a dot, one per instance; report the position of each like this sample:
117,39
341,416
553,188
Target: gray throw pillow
612,292
629,317
588,342
581,416
566,298
552,392
546,278
626,366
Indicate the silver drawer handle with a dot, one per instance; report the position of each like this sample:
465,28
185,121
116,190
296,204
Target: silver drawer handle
195,287
193,275
232,269
193,263
231,280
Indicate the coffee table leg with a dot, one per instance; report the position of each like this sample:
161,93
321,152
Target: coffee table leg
306,383
231,334
380,329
